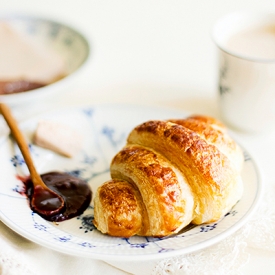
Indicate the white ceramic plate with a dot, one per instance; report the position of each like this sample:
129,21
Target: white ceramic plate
105,128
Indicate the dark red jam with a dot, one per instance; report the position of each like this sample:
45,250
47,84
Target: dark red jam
12,87
76,193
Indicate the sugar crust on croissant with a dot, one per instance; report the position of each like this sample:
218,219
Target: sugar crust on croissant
170,174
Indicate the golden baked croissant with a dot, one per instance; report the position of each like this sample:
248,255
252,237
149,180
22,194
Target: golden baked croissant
170,174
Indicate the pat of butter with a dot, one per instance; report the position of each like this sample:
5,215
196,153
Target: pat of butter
58,138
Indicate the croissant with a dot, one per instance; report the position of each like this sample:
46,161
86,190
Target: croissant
170,174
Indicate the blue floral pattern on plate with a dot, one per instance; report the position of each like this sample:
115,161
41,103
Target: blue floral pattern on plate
105,128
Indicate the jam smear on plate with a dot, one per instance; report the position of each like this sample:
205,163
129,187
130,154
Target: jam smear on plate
12,87
75,192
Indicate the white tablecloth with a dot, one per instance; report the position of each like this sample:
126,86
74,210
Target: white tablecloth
151,53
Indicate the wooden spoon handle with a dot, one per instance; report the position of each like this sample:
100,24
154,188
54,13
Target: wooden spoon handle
22,144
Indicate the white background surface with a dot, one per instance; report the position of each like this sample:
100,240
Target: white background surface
153,53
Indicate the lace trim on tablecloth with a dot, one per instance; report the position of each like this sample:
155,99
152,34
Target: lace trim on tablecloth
229,256
262,224
9,265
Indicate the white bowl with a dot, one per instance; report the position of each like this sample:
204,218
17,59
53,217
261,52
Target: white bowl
67,42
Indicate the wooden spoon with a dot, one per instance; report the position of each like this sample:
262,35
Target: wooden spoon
44,201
